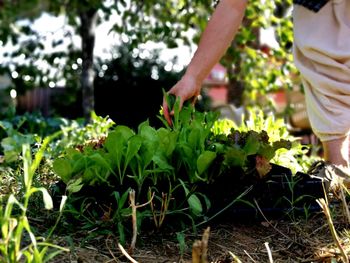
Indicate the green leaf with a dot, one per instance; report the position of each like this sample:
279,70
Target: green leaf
11,156
204,161
63,169
194,137
100,160
252,144
25,223
176,108
167,141
53,254
187,153
180,236
7,126
148,132
27,163
13,145
9,205
193,201
147,151
63,202
121,233
162,162
123,198
149,145
46,198
134,145
267,151
89,176
235,157
124,132
75,185
40,153
170,100
79,164
116,143
206,201
195,204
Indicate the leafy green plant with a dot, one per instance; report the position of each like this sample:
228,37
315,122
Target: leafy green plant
173,166
293,156
30,123
31,128
90,166
12,144
145,158
120,213
194,202
180,236
124,154
194,130
13,226
77,133
122,144
248,150
294,200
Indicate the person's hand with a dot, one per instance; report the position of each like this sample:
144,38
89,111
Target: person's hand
188,88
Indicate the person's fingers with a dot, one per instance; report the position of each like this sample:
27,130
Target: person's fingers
183,91
194,100
166,112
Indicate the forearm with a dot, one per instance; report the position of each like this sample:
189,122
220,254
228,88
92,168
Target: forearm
219,33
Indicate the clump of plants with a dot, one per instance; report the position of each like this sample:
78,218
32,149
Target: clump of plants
172,170
295,156
31,130
23,177
18,241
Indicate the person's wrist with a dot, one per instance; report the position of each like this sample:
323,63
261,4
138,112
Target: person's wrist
192,77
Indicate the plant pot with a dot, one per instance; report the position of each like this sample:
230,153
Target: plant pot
277,194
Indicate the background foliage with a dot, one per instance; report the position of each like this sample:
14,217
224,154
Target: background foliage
253,69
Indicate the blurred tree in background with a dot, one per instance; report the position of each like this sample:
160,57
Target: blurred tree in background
251,68
129,88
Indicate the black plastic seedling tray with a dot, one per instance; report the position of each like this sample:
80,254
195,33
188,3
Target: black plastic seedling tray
279,193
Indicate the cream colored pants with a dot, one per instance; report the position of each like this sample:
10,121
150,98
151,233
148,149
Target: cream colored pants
322,55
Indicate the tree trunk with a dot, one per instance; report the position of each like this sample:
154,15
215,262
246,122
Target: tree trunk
235,92
88,19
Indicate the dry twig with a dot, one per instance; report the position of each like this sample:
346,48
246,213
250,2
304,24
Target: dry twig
110,251
246,252
126,254
345,205
269,252
134,218
158,221
134,221
200,248
267,221
196,251
322,203
235,258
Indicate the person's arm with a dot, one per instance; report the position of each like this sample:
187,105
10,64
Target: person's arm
216,38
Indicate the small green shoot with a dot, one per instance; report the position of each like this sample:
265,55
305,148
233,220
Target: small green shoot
14,227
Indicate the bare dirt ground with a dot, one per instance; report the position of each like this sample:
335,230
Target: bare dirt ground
281,240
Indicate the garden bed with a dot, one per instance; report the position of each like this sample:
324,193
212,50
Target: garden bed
161,188
289,241
293,232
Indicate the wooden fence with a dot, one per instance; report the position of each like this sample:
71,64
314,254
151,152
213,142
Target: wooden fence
38,99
